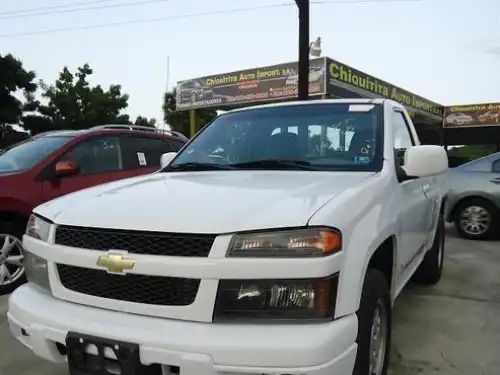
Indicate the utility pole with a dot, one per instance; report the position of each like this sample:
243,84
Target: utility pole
303,85
167,83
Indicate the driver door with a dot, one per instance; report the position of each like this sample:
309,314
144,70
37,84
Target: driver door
413,199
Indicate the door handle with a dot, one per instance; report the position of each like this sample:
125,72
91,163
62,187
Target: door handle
496,180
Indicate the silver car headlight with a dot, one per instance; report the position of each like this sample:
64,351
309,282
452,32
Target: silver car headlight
37,271
38,228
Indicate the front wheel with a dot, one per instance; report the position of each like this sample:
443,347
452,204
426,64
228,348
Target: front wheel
11,258
374,326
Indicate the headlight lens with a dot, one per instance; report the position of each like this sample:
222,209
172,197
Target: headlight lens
303,299
37,271
311,242
38,228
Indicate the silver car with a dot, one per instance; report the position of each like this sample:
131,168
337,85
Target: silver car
459,119
473,202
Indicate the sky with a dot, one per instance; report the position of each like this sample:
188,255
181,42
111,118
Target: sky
447,51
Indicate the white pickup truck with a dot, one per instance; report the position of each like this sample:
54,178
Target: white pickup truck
274,242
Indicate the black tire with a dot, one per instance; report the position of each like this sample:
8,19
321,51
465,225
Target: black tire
430,270
489,207
375,294
16,229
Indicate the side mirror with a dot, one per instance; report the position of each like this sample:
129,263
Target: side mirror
425,161
66,168
167,158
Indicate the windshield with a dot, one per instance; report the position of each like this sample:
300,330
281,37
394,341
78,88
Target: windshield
27,154
323,137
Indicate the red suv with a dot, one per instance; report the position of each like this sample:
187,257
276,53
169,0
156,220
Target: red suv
53,164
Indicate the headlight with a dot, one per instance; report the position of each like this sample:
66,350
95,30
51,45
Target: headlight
304,299
36,271
38,228
311,242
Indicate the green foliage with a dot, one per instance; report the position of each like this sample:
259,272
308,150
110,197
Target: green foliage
14,79
472,152
72,103
179,120
143,121
10,136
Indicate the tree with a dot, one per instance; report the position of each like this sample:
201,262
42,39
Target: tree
179,120
11,136
143,121
72,103
13,79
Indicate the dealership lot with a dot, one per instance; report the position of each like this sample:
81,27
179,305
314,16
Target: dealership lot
453,328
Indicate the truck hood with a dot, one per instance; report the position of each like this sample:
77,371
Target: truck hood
203,202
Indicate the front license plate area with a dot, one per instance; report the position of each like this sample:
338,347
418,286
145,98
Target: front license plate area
89,355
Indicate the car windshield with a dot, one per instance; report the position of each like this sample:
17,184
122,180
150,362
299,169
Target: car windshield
29,153
316,136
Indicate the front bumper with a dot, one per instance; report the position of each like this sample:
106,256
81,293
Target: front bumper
40,321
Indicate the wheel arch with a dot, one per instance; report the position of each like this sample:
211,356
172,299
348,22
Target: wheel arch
15,217
383,260
381,255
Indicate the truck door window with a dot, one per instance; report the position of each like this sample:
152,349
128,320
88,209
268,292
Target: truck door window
402,136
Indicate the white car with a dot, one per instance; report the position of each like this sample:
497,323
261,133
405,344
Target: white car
271,257
314,77
459,119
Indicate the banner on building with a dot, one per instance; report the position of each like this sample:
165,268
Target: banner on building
472,115
344,76
275,82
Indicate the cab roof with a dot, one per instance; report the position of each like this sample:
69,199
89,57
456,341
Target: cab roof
316,101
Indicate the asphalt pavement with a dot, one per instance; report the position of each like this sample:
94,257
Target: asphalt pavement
448,329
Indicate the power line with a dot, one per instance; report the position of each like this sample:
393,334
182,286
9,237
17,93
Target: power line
55,7
51,12
192,15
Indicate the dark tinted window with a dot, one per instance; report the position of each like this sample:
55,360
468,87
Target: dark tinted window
496,166
402,136
176,145
97,155
27,154
144,152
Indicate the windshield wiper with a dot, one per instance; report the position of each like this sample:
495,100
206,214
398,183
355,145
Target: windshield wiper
276,164
185,167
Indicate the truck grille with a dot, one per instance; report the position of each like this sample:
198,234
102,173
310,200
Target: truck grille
136,242
151,290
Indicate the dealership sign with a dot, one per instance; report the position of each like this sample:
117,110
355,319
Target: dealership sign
275,82
472,115
354,80
280,82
